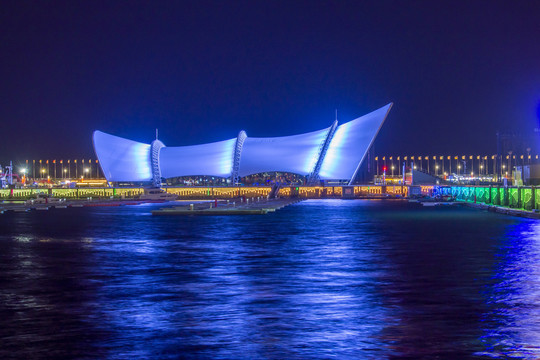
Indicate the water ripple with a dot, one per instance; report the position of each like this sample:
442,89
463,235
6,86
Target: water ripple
319,279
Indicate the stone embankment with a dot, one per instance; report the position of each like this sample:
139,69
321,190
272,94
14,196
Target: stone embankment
237,206
534,214
22,206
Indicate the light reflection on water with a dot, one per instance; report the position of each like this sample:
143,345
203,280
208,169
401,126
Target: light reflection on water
514,299
319,279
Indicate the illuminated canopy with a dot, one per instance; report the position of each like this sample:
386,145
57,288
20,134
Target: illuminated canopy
332,153
214,159
296,154
122,159
350,144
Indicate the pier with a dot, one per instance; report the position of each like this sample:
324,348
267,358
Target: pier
256,206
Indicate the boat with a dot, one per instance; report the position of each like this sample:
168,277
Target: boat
44,199
156,194
436,200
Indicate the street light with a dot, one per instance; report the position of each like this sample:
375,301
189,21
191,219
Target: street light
23,171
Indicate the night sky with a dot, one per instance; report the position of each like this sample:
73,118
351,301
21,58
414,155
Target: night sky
456,71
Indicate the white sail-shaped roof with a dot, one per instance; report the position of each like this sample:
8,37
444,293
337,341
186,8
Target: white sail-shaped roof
296,154
122,159
331,153
350,144
214,159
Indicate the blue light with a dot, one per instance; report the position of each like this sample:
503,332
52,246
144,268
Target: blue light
295,154
122,159
350,143
538,113
213,159
126,160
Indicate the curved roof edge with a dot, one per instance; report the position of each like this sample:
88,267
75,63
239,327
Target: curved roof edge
336,152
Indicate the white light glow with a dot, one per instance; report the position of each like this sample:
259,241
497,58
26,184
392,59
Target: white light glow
122,159
295,154
350,144
127,160
213,159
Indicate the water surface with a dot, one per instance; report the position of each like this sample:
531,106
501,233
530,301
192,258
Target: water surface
319,279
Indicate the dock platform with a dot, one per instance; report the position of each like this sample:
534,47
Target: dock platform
260,207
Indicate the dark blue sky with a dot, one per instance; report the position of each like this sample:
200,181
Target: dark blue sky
200,71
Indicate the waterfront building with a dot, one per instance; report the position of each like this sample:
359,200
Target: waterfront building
333,153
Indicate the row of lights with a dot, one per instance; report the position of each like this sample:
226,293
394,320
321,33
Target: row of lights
463,157
23,170
43,171
445,173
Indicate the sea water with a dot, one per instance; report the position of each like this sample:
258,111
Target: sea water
319,279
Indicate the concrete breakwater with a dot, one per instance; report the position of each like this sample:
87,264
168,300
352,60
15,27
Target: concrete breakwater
242,205
254,206
504,210
523,201
21,206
